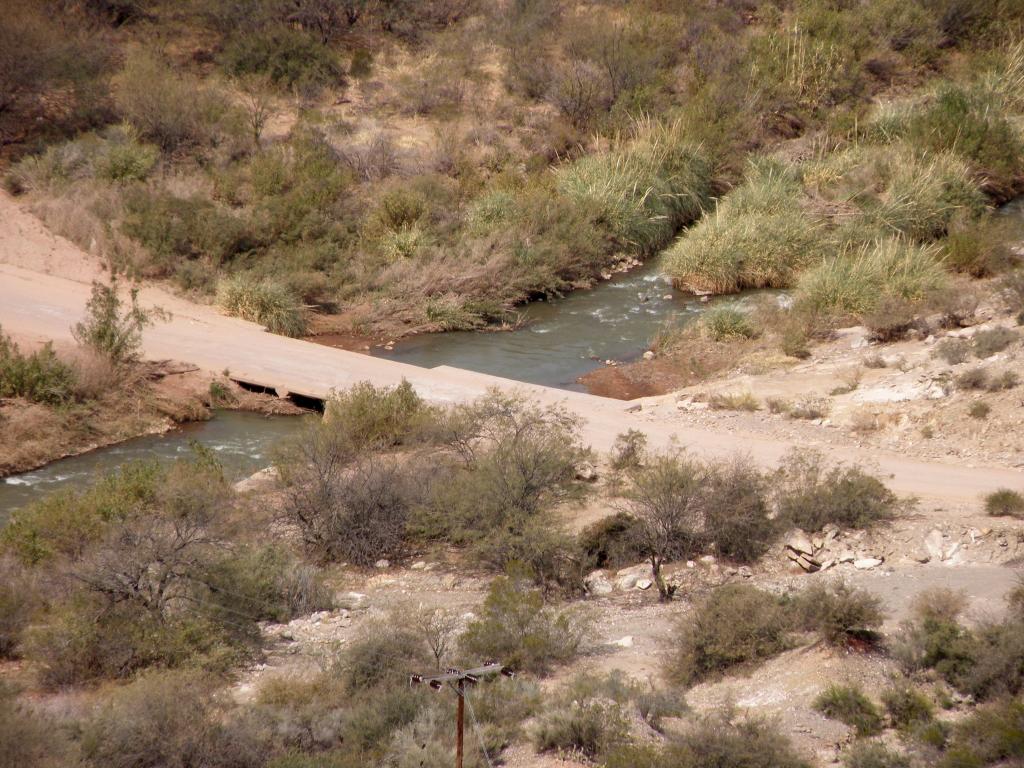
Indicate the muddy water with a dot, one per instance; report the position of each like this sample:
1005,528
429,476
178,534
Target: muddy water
241,441
564,338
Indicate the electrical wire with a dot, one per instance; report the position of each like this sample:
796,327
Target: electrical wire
476,727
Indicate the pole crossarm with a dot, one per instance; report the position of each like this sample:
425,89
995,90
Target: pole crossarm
460,675
457,679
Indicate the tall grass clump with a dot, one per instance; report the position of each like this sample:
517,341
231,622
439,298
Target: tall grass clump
645,190
758,237
896,189
265,301
860,280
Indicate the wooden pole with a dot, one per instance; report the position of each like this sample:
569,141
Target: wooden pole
460,723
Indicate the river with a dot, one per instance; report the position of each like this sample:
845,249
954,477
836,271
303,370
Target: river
241,441
564,338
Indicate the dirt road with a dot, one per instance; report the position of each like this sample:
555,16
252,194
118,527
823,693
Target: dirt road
44,285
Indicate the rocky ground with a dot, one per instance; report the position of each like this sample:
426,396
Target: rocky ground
903,397
959,548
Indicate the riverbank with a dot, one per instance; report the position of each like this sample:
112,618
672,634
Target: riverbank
152,399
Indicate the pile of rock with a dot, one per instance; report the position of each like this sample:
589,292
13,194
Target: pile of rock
821,551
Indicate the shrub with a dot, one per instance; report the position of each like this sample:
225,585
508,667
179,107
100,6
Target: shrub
182,234
728,323
850,706
382,654
516,626
998,661
737,515
979,249
41,376
734,401
514,462
953,350
907,707
288,57
628,450
1005,380
18,603
720,740
612,542
26,739
935,639
581,728
267,302
979,409
991,735
165,718
736,624
973,378
992,340
167,108
1005,503
369,417
350,510
809,494
665,500
809,408
840,613
869,754
109,332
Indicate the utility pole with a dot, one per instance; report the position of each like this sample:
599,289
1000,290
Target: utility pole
457,679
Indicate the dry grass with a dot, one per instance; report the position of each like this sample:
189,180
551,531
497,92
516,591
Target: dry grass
734,401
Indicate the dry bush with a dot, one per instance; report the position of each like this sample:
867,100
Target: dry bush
734,401
810,494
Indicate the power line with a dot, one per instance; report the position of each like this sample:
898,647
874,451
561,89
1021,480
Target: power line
457,679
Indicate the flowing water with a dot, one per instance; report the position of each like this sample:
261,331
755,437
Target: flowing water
241,441
564,338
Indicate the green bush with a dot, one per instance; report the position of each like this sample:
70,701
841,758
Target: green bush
840,613
849,705
809,494
40,376
516,626
18,603
66,523
967,122
1005,503
980,248
628,450
612,542
728,323
997,667
992,735
382,655
737,516
581,728
288,57
735,625
370,417
112,330
934,639
906,707
267,302
869,754
176,230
